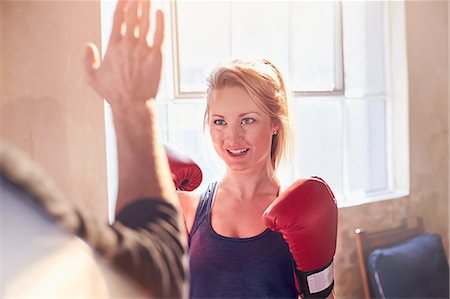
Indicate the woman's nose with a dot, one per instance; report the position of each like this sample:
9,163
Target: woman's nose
235,134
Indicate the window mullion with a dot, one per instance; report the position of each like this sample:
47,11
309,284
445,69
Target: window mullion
339,46
344,152
175,49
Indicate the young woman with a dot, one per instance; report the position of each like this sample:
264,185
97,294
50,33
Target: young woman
232,253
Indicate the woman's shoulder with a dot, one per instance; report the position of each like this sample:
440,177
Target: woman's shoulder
196,196
189,202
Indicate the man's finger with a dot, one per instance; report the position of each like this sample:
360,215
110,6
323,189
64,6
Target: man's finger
144,24
91,61
159,29
116,32
131,18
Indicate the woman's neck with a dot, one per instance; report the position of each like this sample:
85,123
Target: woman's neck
247,185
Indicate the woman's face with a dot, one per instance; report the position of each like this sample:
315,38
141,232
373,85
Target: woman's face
240,131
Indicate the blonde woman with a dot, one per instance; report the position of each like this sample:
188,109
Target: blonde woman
233,253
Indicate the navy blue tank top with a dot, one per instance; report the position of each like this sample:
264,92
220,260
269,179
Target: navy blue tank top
223,267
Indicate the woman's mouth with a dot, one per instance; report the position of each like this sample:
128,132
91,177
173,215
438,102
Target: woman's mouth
238,152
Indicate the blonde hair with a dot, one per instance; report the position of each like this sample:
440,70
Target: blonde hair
263,82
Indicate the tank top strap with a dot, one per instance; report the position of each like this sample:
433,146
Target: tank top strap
204,207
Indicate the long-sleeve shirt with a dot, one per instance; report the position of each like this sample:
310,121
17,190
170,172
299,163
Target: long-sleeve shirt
146,242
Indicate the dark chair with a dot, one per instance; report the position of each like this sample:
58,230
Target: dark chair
403,262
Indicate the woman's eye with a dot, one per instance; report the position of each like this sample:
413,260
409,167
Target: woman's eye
247,121
219,122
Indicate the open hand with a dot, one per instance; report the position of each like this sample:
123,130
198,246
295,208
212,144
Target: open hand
131,68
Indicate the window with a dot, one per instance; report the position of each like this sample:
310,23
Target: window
335,58
208,32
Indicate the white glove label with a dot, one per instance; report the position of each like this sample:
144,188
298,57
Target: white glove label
319,281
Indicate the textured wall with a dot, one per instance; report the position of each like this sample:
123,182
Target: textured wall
427,46
46,107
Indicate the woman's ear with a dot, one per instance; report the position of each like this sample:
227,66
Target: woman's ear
275,128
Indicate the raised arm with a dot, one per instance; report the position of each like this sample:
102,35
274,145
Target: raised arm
128,79
152,245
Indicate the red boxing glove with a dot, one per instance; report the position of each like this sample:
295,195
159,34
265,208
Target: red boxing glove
186,174
306,215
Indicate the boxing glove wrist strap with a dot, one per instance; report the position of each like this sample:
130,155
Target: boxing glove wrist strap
316,284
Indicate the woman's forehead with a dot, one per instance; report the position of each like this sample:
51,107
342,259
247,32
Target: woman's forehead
232,99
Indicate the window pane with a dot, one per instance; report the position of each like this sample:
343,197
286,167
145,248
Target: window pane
203,40
318,140
261,30
364,48
367,161
297,36
313,46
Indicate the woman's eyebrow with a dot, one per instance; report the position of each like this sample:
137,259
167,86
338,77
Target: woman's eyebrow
239,115
251,112
217,115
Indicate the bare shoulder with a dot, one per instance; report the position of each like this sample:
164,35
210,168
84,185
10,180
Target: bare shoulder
188,202
188,199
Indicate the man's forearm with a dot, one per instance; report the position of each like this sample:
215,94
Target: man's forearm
143,167
154,250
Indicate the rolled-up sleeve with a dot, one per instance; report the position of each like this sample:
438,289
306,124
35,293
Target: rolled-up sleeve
147,242
153,247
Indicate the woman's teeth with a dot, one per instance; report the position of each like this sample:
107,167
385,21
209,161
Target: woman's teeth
238,152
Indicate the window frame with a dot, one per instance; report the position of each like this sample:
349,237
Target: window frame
395,97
